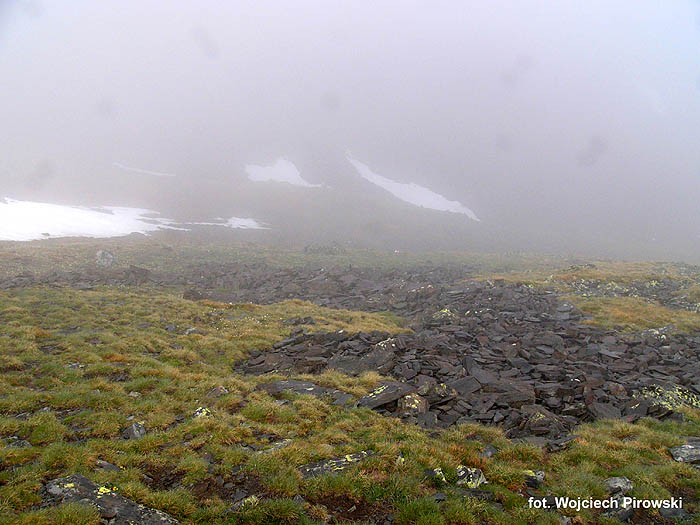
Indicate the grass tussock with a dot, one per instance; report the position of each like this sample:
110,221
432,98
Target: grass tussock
633,314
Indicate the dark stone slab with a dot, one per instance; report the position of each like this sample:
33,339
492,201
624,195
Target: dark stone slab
112,507
306,387
605,411
333,465
385,393
466,385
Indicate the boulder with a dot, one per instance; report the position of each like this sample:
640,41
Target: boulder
686,453
105,259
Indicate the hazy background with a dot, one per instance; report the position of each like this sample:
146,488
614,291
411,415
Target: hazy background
565,126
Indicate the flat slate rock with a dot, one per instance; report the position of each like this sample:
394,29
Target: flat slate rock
306,387
113,508
379,360
333,465
466,385
387,392
687,453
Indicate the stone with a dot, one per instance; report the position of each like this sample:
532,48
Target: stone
239,495
489,451
605,411
380,360
622,512
105,259
674,514
472,478
338,397
534,478
686,454
135,431
277,445
412,405
333,465
670,396
437,393
537,420
111,506
387,392
16,442
557,445
483,495
617,485
443,316
439,497
435,475
105,465
201,412
466,385
248,502
217,391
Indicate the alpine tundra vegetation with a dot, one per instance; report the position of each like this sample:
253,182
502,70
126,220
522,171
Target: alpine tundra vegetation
138,390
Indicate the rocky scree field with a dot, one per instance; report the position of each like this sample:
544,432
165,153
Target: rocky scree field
159,383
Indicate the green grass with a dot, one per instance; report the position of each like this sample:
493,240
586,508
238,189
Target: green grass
62,348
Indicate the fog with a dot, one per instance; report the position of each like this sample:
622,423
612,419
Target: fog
566,127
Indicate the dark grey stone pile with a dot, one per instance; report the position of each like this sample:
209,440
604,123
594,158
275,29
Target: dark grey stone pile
506,354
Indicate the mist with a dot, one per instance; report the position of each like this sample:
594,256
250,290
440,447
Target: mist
567,127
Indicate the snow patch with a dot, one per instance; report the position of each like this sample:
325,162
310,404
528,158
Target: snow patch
26,221
412,193
280,171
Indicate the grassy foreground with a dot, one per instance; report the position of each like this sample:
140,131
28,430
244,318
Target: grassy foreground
77,367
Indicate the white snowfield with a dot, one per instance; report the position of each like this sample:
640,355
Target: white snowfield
27,221
281,171
412,193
